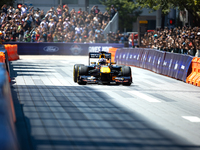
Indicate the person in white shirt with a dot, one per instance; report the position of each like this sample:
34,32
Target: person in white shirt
51,24
23,9
78,30
36,15
44,23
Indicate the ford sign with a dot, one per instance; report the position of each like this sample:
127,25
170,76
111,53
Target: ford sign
51,49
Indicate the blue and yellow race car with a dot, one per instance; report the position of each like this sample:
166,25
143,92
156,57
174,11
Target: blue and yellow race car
102,72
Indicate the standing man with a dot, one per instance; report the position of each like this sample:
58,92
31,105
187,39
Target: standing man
95,10
23,9
113,10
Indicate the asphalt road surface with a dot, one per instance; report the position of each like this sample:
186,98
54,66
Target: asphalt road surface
53,112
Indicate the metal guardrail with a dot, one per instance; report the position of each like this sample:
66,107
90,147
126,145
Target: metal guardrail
113,25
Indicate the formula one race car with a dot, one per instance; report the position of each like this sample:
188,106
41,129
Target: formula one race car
102,72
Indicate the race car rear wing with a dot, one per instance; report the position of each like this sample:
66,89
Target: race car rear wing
100,55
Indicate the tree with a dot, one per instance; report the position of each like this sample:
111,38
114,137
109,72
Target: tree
192,6
127,10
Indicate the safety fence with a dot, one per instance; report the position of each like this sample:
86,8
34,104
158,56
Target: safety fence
8,138
165,63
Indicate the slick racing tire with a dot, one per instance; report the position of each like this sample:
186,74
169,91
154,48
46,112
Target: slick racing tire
75,71
83,70
126,72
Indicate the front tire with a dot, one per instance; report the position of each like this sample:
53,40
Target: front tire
75,71
126,72
82,70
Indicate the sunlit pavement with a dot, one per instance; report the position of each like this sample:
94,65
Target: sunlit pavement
53,112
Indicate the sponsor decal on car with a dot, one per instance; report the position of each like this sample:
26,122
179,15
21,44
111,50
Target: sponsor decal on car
76,49
51,49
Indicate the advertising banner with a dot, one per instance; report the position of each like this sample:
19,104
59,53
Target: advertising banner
59,48
176,63
159,61
166,66
117,55
124,56
185,66
144,58
149,61
97,47
138,56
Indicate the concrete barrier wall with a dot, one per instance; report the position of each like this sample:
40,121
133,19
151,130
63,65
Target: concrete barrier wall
8,138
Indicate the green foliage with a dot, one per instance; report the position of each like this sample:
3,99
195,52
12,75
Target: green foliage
127,10
193,6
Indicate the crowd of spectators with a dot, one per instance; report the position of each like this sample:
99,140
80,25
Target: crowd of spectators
185,40
57,25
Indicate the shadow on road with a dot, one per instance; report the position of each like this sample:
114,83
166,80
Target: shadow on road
79,117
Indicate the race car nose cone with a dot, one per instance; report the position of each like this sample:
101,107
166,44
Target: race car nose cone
105,69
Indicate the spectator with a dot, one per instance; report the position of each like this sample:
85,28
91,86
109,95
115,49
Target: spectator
56,25
11,9
113,10
95,10
177,40
23,9
65,8
5,9
59,10
27,36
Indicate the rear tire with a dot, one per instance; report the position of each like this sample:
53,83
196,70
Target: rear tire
75,71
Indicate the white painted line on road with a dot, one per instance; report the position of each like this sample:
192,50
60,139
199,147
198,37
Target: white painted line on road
191,118
143,96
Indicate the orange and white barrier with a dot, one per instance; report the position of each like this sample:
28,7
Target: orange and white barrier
194,77
112,51
12,51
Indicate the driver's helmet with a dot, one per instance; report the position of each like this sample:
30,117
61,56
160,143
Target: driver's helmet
102,61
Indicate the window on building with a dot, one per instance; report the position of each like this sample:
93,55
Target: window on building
70,1
94,2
